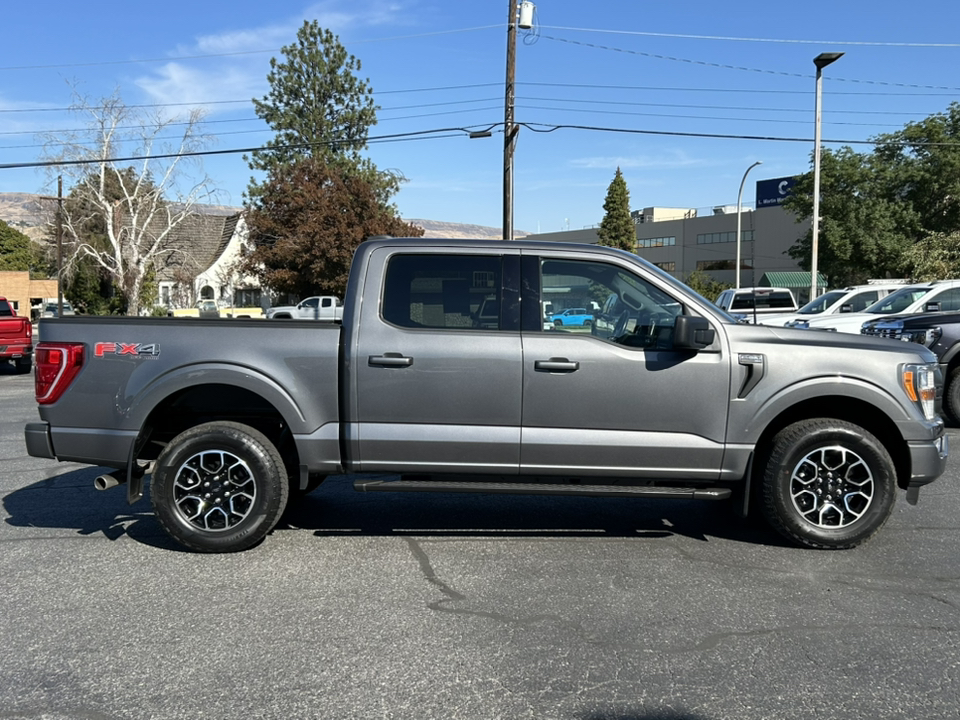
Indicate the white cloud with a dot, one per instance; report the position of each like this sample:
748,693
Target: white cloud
665,161
242,72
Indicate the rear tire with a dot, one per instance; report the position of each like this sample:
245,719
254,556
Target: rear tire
828,484
219,487
24,365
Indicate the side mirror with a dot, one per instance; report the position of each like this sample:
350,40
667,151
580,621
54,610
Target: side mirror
932,307
846,307
692,333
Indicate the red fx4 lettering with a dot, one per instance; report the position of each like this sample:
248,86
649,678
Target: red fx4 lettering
140,350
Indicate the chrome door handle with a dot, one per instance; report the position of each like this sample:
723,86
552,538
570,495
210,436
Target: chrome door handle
390,360
556,365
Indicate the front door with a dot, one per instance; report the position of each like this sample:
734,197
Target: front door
613,397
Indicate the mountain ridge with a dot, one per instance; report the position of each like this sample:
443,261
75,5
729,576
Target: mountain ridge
25,211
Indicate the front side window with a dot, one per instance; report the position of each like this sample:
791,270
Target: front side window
898,301
949,300
617,306
451,292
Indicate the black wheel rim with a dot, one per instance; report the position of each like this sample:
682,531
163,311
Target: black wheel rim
214,491
832,487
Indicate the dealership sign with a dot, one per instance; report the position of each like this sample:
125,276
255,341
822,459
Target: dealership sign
773,192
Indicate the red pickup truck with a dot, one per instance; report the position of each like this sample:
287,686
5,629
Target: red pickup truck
16,338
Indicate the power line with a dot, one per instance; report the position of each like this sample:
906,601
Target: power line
741,68
755,40
460,132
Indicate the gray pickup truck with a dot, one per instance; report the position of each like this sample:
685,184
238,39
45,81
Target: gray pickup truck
662,396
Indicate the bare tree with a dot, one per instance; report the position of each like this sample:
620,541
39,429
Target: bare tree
122,214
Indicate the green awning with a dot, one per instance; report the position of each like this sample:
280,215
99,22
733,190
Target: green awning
790,280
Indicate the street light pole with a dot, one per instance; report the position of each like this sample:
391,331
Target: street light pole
821,61
739,205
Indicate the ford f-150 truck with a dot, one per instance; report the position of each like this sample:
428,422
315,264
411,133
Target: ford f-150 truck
939,331
16,338
666,396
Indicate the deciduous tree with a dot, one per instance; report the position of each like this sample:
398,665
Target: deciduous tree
122,216
308,220
617,228
875,206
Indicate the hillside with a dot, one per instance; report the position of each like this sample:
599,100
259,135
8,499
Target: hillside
27,211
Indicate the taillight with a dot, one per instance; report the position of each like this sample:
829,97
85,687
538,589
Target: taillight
57,365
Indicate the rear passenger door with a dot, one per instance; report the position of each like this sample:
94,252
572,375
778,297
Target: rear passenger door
438,364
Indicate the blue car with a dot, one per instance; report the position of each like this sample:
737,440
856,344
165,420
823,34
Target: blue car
574,317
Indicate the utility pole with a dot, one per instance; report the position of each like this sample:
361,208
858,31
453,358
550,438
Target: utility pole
509,129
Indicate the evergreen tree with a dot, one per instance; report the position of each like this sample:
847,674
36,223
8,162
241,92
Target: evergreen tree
17,251
318,108
617,228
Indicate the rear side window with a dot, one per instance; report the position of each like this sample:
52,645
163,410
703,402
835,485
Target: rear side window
451,292
863,300
764,301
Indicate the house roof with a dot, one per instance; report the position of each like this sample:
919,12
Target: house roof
195,244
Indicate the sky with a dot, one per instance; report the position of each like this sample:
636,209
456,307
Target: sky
682,96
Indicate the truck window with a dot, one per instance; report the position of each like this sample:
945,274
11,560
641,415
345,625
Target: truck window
618,306
5,310
454,292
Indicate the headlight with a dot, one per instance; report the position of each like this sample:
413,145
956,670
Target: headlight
928,337
920,384
798,324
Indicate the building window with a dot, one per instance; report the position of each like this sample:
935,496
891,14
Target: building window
722,265
247,297
668,266
724,237
656,242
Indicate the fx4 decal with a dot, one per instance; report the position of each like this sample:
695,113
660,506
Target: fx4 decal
140,350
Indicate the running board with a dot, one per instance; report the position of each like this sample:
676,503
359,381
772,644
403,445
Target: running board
508,488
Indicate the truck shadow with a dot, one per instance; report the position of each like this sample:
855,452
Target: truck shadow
70,502
336,509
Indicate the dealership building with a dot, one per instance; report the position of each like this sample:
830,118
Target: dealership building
682,240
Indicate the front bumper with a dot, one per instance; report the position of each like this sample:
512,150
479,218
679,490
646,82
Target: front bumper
928,460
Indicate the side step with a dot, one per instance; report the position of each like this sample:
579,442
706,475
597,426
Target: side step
513,488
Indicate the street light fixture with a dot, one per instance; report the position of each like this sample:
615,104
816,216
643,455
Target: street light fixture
821,61
739,204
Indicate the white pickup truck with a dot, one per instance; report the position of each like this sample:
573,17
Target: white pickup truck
318,307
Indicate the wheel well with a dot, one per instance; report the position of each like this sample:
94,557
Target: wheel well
206,403
851,410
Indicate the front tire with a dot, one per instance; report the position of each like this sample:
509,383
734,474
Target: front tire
951,396
219,487
828,484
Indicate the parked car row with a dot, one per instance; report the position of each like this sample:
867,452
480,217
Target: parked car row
927,313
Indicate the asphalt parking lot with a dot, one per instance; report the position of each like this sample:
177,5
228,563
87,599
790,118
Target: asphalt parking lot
457,606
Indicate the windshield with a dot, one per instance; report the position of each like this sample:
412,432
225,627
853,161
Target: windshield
898,301
820,304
